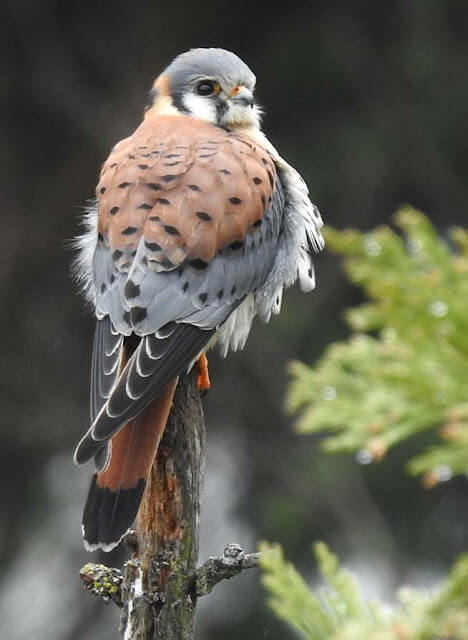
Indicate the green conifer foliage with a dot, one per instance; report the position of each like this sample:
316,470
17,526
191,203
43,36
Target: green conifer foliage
338,611
405,367
404,370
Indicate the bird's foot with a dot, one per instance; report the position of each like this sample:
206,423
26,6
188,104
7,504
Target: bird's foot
203,380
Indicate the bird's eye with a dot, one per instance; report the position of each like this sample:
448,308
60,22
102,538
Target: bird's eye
206,88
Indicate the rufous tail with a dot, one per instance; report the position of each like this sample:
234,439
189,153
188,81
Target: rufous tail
115,493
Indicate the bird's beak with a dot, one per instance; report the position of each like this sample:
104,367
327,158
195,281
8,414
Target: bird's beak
243,95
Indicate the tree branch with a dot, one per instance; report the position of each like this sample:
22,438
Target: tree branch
160,584
157,592
104,582
230,564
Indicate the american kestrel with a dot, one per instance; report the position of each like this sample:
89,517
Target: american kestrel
198,226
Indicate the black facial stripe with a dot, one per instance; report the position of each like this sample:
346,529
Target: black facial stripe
221,108
179,103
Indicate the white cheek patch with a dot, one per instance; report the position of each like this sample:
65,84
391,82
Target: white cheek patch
241,115
200,107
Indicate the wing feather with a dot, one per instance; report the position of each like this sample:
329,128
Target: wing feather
155,362
107,353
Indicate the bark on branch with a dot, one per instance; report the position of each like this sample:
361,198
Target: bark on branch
158,589
230,564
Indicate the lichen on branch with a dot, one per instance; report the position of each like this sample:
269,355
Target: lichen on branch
103,582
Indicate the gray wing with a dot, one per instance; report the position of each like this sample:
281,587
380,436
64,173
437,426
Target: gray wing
141,297
176,313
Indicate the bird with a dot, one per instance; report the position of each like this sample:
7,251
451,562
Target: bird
197,228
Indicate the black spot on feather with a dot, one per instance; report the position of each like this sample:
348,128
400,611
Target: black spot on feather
129,231
198,263
166,263
138,314
152,246
172,231
131,290
203,216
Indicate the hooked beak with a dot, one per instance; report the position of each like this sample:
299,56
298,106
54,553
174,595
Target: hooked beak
242,95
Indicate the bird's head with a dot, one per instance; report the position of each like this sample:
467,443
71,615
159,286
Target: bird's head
210,84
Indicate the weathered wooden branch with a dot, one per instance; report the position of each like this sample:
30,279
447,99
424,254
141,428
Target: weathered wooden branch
159,587
230,564
106,582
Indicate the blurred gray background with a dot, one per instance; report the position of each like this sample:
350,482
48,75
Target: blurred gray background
369,101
